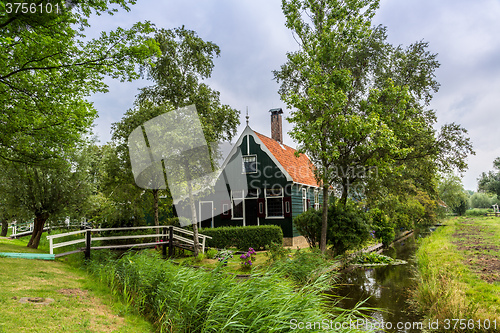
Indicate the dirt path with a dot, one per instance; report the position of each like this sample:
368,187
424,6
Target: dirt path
479,242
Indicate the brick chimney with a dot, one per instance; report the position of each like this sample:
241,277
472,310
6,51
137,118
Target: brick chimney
276,125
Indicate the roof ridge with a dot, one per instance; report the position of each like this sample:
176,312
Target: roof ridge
285,145
298,167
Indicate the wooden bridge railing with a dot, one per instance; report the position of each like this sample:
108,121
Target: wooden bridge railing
174,234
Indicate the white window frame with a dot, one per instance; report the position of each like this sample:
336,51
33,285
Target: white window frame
274,197
304,199
242,198
243,170
256,197
316,199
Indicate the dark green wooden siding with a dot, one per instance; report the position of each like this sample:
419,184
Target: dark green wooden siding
268,175
297,205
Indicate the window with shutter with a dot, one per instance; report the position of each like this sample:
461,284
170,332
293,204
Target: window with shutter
288,206
274,202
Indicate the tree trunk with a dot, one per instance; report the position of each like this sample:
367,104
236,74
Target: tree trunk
155,211
38,225
345,191
5,228
193,217
324,220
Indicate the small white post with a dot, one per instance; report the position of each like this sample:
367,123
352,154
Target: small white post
51,245
203,245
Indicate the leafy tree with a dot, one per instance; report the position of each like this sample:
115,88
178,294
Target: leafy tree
451,191
359,102
430,207
346,103
490,182
124,179
48,67
57,187
482,200
185,61
4,218
316,82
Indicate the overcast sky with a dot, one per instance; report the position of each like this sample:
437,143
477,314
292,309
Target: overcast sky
254,41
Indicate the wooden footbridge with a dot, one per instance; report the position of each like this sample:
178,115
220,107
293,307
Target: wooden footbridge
168,237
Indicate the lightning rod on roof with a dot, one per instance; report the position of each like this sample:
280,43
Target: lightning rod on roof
247,116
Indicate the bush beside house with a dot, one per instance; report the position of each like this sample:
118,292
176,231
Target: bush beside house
257,237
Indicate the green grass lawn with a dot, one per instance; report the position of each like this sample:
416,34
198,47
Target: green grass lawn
459,270
80,304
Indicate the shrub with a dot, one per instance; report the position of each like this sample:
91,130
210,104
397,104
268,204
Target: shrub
477,212
384,229
211,253
482,200
305,267
461,206
171,221
257,237
308,224
348,226
277,252
373,258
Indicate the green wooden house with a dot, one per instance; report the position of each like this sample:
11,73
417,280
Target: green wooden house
266,183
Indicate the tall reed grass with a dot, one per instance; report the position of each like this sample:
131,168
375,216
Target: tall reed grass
440,291
183,299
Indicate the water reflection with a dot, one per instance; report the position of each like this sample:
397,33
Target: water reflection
386,288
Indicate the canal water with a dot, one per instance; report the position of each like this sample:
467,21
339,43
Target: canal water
386,288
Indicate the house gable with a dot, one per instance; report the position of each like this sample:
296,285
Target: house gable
246,144
299,168
268,172
264,182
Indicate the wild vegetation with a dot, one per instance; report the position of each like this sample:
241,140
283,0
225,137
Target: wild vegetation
183,299
459,271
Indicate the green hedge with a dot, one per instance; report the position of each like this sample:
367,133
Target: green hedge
478,211
243,238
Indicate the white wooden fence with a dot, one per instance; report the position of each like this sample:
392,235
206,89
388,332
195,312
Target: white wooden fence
26,228
174,234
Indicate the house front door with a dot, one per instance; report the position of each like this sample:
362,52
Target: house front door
251,212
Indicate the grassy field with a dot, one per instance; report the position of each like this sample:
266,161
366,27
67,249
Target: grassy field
80,304
459,272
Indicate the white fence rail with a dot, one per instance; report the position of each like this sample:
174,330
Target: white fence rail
174,233
26,228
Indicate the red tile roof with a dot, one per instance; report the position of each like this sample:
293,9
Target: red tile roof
299,168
